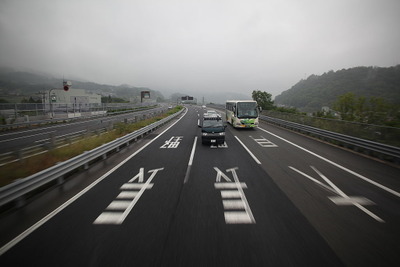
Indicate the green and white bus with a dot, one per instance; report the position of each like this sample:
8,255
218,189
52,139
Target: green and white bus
242,113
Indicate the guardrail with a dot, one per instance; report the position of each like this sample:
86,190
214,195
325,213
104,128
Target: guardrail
52,141
375,149
382,151
16,192
55,120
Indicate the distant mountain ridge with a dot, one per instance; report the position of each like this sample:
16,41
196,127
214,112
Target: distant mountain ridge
317,91
28,84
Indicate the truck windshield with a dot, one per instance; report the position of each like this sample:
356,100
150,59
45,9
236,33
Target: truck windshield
212,123
247,110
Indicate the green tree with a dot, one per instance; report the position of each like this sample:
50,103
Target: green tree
378,110
346,105
373,110
263,99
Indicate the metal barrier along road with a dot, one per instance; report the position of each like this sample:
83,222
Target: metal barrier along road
383,151
17,190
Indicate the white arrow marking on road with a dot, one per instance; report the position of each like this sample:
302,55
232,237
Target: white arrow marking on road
387,189
221,174
118,210
139,176
233,198
342,199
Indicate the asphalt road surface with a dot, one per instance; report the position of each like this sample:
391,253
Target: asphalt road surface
268,197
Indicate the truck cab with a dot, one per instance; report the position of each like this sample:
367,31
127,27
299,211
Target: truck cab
212,130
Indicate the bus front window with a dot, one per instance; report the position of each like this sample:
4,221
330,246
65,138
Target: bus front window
247,110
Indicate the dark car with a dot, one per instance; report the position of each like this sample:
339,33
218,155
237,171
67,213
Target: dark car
212,130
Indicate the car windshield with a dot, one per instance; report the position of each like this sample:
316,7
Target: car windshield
247,110
212,123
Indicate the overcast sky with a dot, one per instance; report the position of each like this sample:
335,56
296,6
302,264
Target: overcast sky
190,46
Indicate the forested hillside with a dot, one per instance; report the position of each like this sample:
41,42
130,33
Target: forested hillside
317,91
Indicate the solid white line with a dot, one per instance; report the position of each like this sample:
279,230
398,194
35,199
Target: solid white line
190,161
81,193
397,194
251,154
193,151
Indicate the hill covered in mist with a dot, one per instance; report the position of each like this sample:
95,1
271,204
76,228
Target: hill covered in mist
317,91
19,83
26,84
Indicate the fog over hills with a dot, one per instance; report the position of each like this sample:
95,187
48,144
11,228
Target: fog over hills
26,83
307,95
322,90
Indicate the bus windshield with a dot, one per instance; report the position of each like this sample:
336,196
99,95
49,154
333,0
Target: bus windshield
247,110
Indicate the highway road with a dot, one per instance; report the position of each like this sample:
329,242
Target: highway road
268,197
14,140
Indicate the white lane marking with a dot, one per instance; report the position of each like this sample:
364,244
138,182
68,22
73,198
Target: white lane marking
109,217
233,204
31,229
230,194
243,196
397,194
340,201
124,200
224,145
173,142
127,194
233,198
190,161
25,136
192,153
342,197
139,194
263,142
248,151
228,185
237,217
129,186
314,180
118,205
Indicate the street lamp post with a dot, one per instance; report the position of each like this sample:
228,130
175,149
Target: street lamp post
50,103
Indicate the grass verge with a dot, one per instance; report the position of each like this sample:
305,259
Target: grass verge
32,165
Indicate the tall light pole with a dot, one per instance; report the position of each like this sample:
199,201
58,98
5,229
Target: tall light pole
66,86
50,102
